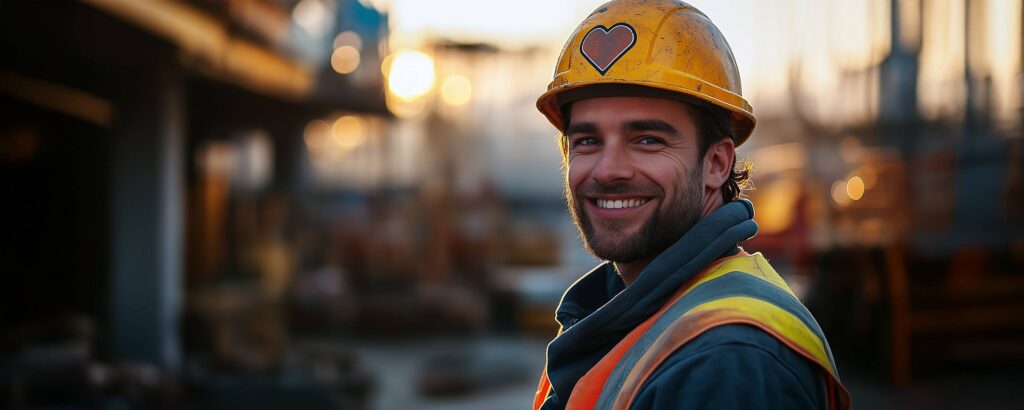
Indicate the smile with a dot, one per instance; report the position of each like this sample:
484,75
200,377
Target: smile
620,203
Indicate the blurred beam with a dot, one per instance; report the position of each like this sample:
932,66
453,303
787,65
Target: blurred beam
57,97
207,46
148,169
265,20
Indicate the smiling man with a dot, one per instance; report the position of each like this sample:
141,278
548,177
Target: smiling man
647,97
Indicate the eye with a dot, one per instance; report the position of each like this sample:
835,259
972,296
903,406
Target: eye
650,140
583,141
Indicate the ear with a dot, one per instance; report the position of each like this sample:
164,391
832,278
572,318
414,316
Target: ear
718,164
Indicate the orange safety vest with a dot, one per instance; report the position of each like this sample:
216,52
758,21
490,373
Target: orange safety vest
613,383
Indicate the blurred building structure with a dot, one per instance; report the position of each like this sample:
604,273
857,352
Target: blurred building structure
258,189
893,188
136,136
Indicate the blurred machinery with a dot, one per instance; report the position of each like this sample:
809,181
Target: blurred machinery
903,227
197,193
148,153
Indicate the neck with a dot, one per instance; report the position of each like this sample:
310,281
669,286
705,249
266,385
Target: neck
629,271
712,201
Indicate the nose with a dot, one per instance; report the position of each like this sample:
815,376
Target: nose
612,166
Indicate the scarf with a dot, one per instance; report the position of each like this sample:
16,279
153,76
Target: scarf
592,324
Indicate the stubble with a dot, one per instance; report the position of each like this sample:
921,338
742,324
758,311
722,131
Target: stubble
672,218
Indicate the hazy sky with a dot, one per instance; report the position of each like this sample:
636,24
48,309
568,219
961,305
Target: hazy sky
516,23
747,24
825,38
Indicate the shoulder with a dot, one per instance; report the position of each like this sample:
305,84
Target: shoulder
734,366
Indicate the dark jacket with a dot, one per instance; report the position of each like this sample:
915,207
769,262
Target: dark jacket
732,366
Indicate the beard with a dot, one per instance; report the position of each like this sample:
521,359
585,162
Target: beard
670,221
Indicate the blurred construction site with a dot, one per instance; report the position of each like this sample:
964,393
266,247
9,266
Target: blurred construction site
355,204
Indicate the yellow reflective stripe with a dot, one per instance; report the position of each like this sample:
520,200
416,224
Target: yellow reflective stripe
753,265
766,272
739,264
785,324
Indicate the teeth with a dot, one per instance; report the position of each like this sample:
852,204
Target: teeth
620,203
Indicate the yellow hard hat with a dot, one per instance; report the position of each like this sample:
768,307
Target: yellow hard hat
667,47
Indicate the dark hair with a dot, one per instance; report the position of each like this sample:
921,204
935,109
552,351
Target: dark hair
713,125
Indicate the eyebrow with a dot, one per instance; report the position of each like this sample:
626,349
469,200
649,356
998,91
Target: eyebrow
635,125
586,127
651,125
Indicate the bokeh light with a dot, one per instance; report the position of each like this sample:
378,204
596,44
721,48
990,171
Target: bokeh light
345,59
410,74
855,188
776,202
839,195
348,38
456,90
311,16
315,134
349,132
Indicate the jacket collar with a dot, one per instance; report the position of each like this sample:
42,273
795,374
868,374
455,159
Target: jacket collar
598,310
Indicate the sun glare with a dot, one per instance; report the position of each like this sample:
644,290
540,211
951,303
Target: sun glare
410,74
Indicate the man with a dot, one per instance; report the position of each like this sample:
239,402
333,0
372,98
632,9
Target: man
647,97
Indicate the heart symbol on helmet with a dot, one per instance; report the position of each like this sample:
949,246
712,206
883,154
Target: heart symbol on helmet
603,46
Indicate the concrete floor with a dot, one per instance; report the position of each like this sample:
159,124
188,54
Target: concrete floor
503,371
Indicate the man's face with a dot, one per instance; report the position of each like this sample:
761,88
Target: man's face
633,183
